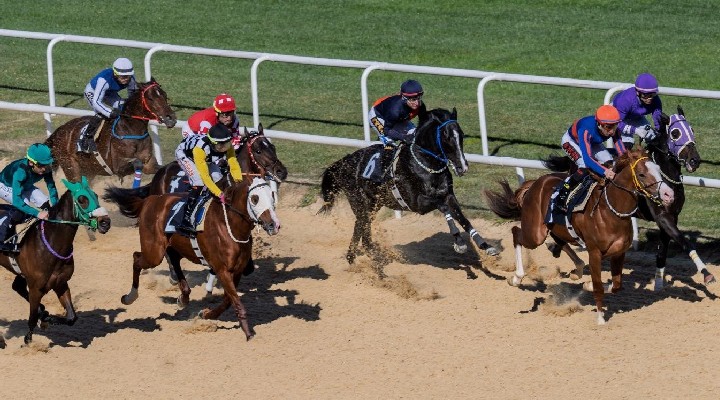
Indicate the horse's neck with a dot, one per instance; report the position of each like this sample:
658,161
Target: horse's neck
622,193
64,209
245,160
669,165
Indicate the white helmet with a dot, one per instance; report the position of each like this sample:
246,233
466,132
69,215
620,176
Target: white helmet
123,67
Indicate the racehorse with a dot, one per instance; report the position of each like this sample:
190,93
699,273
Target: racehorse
673,148
45,261
421,181
256,155
123,144
604,225
225,243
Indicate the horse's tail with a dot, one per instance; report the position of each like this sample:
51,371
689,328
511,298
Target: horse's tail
504,204
143,191
328,188
129,201
559,164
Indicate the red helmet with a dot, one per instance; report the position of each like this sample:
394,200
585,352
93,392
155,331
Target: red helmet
224,103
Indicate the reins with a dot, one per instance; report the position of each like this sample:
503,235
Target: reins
640,190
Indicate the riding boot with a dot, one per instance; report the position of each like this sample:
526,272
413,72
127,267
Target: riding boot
187,226
85,143
8,220
570,182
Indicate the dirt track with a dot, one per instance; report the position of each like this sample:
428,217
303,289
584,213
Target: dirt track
443,325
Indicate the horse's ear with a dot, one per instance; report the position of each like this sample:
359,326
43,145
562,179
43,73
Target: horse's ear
246,131
84,181
680,110
454,114
423,115
260,129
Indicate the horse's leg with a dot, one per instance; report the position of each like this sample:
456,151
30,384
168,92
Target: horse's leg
228,283
668,229
455,212
34,299
150,166
616,268
140,262
63,293
460,246
597,287
20,286
173,258
519,269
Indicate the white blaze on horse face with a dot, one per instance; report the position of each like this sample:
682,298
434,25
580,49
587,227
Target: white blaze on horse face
260,200
461,155
665,192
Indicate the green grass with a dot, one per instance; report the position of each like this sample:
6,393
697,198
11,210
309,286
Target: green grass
598,40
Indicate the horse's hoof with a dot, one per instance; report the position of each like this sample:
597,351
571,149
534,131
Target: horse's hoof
554,249
461,249
514,280
709,279
201,314
43,324
659,284
180,303
2,343
250,336
28,338
172,280
575,277
130,297
491,251
601,318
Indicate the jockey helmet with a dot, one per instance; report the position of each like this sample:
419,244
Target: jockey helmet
40,154
224,103
411,88
646,83
123,67
219,133
607,114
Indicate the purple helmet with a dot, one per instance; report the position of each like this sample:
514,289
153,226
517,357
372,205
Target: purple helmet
646,83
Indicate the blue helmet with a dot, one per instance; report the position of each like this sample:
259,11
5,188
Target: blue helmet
646,83
39,153
411,88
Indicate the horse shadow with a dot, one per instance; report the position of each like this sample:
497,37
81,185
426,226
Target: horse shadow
263,303
91,325
436,251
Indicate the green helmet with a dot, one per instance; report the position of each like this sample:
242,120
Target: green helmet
39,154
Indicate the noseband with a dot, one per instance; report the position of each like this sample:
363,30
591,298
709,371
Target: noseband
263,169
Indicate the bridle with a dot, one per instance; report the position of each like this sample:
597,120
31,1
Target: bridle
267,170
438,156
639,190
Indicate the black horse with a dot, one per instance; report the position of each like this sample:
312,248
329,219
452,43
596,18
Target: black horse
419,181
673,148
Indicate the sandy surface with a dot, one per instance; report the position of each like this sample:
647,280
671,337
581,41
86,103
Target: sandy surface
443,325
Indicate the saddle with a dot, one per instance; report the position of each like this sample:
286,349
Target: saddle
576,202
178,210
376,168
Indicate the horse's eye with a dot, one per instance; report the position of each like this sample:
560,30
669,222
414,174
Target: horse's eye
675,134
254,199
83,200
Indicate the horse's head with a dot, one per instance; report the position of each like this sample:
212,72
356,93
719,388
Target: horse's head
636,168
86,207
150,101
261,154
259,199
440,136
679,136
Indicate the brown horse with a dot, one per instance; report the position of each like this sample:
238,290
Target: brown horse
45,261
604,225
123,144
225,243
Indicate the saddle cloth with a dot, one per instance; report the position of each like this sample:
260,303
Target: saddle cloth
577,201
178,210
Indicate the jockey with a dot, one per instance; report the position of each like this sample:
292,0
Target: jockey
391,117
634,104
199,156
584,143
223,110
17,187
102,93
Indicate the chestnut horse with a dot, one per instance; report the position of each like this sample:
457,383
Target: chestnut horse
225,243
673,148
123,144
604,225
45,261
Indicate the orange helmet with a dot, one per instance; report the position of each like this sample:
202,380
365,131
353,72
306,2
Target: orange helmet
224,103
607,114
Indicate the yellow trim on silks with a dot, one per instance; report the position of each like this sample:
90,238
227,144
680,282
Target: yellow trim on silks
235,170
30,159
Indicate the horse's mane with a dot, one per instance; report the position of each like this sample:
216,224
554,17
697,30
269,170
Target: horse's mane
55,209
629,157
